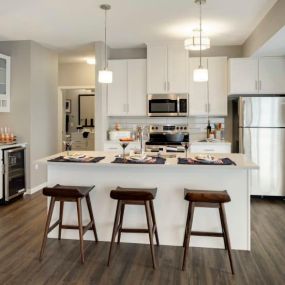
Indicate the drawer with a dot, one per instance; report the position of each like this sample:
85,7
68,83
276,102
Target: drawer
221,148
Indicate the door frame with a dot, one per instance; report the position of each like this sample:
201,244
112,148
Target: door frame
60,110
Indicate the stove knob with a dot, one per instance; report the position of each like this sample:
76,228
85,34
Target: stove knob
185,128
152,128
177,128
156,128
181,128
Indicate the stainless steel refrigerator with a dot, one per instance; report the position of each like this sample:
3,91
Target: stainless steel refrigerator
261,130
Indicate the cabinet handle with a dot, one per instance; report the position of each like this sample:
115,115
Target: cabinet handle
164,86
256,85
206,107
209,150
168,85
209,107
259,84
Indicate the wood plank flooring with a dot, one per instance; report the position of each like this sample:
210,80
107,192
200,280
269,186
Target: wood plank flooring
22,225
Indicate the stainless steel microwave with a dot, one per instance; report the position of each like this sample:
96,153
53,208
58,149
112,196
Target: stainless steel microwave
167,105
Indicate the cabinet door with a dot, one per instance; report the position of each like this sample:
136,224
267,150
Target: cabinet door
117,91
4,83
137,87
198,91
218,101
177,69
157,69
210,148
243,76
272,75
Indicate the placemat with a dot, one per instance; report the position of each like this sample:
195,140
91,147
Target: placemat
84,160
190,161
154,160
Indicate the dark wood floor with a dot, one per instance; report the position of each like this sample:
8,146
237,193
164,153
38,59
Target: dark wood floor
21,228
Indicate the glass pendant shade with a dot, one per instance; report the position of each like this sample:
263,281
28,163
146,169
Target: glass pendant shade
193,43
200,74
105,76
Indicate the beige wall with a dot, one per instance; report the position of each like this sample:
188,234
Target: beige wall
33,102
228,51
271,24
76,74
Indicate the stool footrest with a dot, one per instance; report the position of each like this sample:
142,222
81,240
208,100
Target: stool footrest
128,230
209,234
75,227
53,226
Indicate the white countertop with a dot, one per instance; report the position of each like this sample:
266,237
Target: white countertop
240,159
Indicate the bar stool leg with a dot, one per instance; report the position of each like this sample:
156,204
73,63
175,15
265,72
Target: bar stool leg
115,229
80,226
60,219
150,231
186,226
89,206
188,233
226,234
49,216
121,222
154,221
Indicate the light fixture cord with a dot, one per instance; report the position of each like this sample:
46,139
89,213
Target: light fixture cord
200,34
105,38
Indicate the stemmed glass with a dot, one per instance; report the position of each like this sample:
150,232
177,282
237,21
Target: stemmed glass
67,144
124,146
186,147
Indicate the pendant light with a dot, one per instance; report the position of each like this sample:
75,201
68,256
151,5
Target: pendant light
105,75
200,74
193,43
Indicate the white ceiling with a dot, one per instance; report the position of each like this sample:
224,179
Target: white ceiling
64,24
275,46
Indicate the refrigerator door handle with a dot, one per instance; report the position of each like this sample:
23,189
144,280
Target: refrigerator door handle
241,109
241,142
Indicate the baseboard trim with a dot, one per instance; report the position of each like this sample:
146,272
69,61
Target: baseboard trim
37,188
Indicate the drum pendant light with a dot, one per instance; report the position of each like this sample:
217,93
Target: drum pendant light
105,75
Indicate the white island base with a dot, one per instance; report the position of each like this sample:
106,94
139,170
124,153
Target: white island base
170,206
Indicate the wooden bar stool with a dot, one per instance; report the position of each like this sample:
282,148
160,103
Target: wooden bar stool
206,199
69,194
134,196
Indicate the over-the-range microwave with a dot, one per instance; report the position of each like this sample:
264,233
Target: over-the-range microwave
167,105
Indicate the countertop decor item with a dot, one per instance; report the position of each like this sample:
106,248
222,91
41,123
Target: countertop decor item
82,160
194,161
152,160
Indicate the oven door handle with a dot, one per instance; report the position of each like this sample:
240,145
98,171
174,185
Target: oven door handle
178,105
15,149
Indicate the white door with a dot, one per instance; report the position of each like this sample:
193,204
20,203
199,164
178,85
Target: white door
272,75
198,91
5,83
157,69
243,76
117,90
137,87
177,67
218,101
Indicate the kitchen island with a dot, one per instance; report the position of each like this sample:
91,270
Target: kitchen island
170,207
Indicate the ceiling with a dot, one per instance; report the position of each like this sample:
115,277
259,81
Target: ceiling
275,46
65,24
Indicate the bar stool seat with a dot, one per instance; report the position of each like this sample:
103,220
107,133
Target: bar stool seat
134,196
206,199
63,194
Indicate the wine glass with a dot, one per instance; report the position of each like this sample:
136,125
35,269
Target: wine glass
67,144
124,146
186,147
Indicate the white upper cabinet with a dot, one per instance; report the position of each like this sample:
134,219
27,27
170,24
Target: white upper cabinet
198,91
217,86
208,97
167,69
264,75
243,76
117,90
5,74
272,75
137,87
127,92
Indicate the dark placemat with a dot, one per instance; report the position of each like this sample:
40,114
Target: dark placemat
155,160
222,161
88,159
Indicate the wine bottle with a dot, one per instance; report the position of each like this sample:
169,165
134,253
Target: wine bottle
209,129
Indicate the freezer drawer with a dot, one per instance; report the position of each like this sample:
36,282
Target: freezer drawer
266,147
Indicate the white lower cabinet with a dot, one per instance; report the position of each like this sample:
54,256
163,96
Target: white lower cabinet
209,97
210,147
127,93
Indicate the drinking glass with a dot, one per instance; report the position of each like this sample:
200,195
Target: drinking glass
186,147
67,145
124,146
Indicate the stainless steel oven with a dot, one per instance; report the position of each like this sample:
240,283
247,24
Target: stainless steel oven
167,105
14,182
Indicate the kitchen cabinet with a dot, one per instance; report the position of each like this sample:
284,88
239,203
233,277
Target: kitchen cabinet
5,73
264,75
127,93
208,97
167,69
210,147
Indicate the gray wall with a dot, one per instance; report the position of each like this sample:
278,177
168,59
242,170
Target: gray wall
228,51
127,53
33,102
271,24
